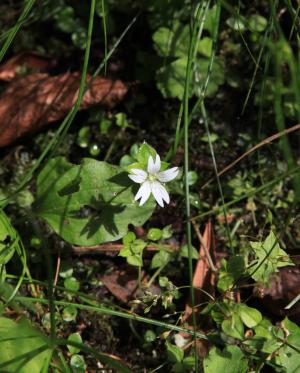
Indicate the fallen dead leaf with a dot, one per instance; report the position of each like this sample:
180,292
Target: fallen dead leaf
33,101
28,60
122,283
203,277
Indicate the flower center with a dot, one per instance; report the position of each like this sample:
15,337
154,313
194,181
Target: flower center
151,177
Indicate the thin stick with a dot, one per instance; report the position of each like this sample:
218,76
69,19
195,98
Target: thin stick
203,243
111,247
257,146
57,269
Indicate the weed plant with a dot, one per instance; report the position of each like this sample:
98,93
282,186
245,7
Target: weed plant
216,94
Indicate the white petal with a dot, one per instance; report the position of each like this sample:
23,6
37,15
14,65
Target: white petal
168,175
137,178
164,194
143,193
157,193
139,172
157,164
150,167
153,167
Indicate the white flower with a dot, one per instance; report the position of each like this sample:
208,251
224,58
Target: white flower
151,181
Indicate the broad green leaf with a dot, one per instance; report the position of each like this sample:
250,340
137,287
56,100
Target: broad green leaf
269,257
74,337
78,364
250,316
126,160
84,136
292,327
213,137
66,19
231,359
225,281
71,284
145,151
172,43
163,281
66,269
138,246
233,327
160,259
205,46
219,311
236,265
23,348
24,198
8,239
121,120
149,336
133,249
105,125
288,355
237,23
210,20
263,329
266,331
69,313
167,232
230,272
184,251
217,76
154,234
135,260
129,238
188,363
90,203
94,149
257,23
175,354
171,78
134,149
192,177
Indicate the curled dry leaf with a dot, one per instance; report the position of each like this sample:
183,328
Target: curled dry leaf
36,100
28,60
203,278
203,281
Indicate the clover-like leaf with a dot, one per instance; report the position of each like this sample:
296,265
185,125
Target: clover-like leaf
268,258
231,358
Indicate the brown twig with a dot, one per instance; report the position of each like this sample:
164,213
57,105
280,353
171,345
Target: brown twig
257,146
114,247
57,269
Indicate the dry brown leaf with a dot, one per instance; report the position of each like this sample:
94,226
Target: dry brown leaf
35,61
201,278
36,100
122,283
